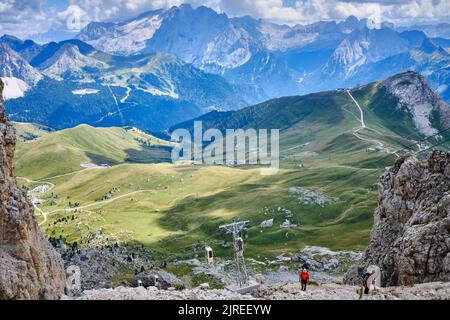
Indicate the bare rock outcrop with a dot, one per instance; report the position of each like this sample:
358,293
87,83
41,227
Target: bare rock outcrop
29,267
411,235
416,96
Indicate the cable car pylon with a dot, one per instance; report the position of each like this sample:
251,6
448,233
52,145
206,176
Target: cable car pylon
242,277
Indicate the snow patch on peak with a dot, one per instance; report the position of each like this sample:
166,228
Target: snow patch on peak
12,65
14,88
129,37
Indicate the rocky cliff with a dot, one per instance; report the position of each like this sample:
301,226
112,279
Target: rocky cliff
411,235
29,267
415,95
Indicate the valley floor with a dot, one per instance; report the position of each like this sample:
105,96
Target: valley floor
428,291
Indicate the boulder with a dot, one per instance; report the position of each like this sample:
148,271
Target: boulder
147,279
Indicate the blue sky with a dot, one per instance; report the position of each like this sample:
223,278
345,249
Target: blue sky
25,18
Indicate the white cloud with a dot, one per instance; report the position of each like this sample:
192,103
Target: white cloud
5,6
25,17
308,11
74,18
18,17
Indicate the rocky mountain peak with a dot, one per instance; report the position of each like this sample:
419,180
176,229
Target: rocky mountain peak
413,93
95,30
26,48
429,46
29,267
411,234
350,24
14,66
68,62
364,46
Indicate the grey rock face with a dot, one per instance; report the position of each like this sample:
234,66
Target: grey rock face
100,266
29,266
166,279
411,235
13,65
414,94
323,259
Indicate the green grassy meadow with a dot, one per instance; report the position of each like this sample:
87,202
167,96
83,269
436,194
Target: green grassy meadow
177,209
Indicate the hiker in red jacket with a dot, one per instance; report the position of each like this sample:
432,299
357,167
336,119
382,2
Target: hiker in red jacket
304,277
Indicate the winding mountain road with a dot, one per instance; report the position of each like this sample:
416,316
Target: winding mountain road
94,204
52,186
127,95
363,126
100,202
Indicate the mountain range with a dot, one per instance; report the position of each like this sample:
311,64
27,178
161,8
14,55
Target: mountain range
164,67
68,83
262,53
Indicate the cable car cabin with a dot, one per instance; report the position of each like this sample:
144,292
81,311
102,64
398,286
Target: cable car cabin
209,255
155,279
375,280
240,245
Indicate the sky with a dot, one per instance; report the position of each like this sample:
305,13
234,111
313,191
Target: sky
25,18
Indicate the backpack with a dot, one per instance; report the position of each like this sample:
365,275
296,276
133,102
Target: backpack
304,275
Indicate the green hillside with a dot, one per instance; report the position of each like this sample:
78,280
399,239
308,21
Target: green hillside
65,151
30,131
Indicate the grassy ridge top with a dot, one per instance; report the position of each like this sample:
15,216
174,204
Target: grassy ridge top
64,151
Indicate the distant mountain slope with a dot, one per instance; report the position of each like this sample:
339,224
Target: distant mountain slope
49,50
12,65
72,83
71,104
414,96
244,49
68,63
125,37
432,30
403,105
27,49
363,47
428,58
279,113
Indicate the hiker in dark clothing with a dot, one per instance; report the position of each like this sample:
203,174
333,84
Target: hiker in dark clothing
365,281
304,278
